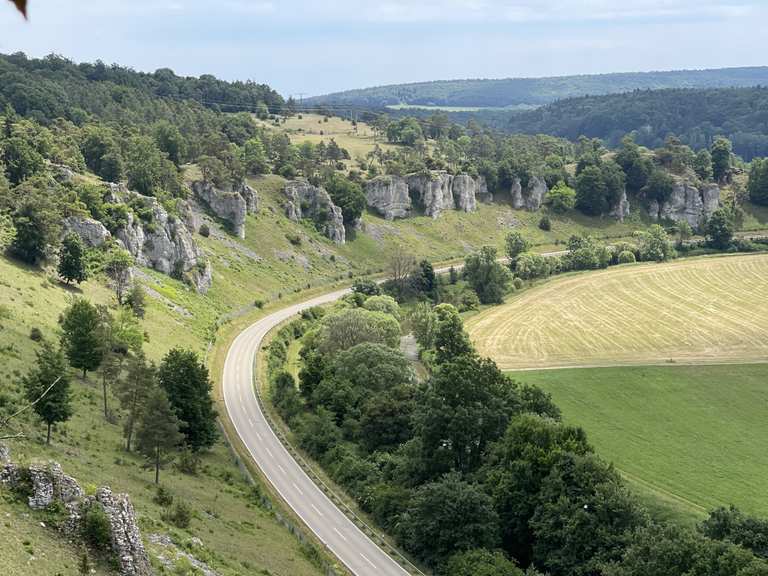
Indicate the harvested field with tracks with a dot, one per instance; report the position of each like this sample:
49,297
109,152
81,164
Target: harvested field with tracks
703,310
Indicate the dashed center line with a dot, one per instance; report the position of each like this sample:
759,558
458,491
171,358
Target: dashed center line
297,488
281,469
364,557
317,510
268,452
340,534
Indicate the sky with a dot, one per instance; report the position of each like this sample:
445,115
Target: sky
314,47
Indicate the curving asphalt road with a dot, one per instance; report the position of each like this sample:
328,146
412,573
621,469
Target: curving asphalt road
342,537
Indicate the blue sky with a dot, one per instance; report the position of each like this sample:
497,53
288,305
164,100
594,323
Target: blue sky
314,47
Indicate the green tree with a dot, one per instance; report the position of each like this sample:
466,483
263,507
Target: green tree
81,336
451,341
158,435
655,244
36,220
591,191
659,187
516,244
72,259
7,230
702,165
134,391
169,140
117,267
481,562
383,303
721,152
561,198
732,525
347,328
446,517
111,370
684,232
49,374
719,229
386,419
423,322
758,181
21,159
185,379
487,276
346,194
254,157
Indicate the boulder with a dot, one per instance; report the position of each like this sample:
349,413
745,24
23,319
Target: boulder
388,195
306,201
250,196
92,232
50,484
687,202
532,197
125,535
229,206
431,192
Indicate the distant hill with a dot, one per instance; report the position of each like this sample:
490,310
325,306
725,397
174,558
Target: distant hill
516,92
695,116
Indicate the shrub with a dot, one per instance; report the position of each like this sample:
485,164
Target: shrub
626,257
469,301
97,530
294,239
35,334
163,496
180,516
258,304
545,224
205,230
518,283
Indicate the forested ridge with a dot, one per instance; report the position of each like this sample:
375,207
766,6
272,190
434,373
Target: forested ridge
537,91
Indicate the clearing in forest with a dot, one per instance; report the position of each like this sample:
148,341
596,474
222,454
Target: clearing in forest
702,310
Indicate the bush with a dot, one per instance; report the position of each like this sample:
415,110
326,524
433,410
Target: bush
97,530
163,496
626,257
294,239
545,224
180,516
469,301
258,304
204,231
35,334
518,283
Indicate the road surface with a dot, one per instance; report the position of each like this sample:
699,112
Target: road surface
343,538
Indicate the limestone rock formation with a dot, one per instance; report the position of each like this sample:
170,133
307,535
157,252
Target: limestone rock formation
47,484
92,232
532,197
388,195
229,206
307,201
125,535
428,192
164,243
621,210
250,196
687,202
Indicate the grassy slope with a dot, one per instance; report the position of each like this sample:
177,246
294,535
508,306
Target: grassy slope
688,438
690,310
236,531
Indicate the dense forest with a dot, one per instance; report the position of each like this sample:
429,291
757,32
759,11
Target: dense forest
511,92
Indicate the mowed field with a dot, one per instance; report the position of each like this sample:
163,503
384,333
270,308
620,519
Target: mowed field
686,438
702,310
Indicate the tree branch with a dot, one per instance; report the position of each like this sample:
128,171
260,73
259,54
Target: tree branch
23,409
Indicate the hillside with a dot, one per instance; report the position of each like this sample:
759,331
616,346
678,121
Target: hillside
514,92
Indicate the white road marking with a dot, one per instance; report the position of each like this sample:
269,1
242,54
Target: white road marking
250,422
317,510
364,557
340,534
281,469
297,488
269,452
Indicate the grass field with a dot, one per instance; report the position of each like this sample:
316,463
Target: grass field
687,438
688,311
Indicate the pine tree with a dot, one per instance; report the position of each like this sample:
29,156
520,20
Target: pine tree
71,260
55,405
81,335
158,433
111,369
185,379
134,392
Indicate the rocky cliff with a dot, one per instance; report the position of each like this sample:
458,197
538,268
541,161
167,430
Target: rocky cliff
306,201
46,484
532,197
687,202
229,205
429,193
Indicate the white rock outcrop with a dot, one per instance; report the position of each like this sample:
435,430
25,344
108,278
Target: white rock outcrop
306,201
92,232
687,202
532,197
